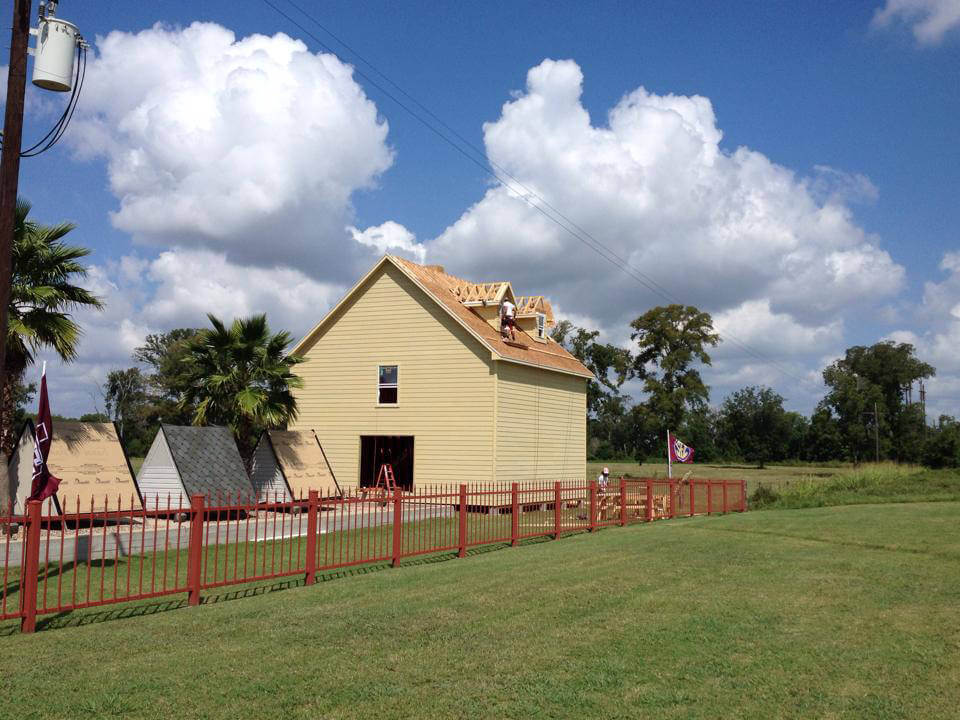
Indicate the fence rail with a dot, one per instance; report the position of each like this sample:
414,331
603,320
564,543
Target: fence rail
55,563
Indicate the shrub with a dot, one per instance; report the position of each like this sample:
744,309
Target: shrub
763,495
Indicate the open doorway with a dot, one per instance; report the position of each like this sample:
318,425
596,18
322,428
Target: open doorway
375,450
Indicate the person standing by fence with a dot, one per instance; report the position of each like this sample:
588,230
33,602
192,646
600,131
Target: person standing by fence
603,479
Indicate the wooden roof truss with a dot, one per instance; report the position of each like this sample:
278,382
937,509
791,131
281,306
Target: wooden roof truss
472,294
533,305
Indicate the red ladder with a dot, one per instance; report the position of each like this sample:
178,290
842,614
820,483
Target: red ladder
385,480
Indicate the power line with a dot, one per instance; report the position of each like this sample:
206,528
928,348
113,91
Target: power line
508,181
60,127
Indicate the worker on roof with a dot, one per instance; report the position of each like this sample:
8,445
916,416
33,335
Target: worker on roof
508,319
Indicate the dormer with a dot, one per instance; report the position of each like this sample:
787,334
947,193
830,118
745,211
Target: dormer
485,299
535,316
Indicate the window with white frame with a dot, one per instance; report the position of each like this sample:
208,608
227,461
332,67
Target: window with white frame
387,385
541,325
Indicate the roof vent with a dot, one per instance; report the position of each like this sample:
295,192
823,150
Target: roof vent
435,268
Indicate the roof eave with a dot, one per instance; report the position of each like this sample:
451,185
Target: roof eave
540,366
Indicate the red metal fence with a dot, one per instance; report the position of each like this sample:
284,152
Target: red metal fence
54,563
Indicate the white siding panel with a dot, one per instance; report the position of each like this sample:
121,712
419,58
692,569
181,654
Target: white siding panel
158,478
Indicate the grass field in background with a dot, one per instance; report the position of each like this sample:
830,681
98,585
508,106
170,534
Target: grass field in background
774,476
834,612
867,484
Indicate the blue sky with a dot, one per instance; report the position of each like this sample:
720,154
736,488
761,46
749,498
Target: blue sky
835,227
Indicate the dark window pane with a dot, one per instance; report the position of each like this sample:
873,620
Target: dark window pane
388,396
388,374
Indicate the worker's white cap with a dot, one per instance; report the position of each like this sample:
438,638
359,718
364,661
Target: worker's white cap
606,471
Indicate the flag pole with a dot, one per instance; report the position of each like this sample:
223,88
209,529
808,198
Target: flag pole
669,457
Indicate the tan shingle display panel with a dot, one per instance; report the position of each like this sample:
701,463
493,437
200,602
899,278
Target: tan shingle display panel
92,466
303,463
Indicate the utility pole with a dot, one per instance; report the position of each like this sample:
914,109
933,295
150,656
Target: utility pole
876,430
923,408
10,160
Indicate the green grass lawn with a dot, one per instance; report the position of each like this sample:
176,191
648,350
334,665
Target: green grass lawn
833,612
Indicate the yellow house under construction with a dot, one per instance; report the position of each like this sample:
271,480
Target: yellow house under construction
410,368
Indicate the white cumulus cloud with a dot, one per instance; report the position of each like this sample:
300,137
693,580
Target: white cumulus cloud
776,335
390,237
929,20
936,337
191,283
176,289
248,146
776,257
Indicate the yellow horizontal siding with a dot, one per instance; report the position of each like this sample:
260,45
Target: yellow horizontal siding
446,387
541,425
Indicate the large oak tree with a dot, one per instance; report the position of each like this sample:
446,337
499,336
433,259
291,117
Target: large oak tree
672,342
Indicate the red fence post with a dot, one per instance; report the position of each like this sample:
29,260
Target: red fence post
673,499
31,568
709,496
195,548
514,515
743,496
397,526
593,505
556,511
725,508
313,502
693,486
623,502
463,521
649,499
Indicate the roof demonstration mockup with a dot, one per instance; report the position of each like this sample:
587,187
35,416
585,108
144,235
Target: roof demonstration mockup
288,464
207,460
90,462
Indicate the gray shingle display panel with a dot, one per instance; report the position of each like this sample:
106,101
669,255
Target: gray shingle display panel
208,461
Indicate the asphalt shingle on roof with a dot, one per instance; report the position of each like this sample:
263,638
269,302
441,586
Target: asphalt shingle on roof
439,284
208,461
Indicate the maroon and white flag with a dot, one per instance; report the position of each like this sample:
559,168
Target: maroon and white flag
678,451
44,483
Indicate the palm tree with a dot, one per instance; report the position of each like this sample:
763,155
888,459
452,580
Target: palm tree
42,294
240,377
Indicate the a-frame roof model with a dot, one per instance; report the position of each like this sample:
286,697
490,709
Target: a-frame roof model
90,462
93,467
458,297
188,460
288,464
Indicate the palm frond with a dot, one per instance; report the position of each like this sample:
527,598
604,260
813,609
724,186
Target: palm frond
43,290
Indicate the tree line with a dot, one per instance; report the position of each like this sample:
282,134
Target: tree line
864,415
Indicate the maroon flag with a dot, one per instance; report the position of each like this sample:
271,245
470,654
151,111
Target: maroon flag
678,451
44,484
